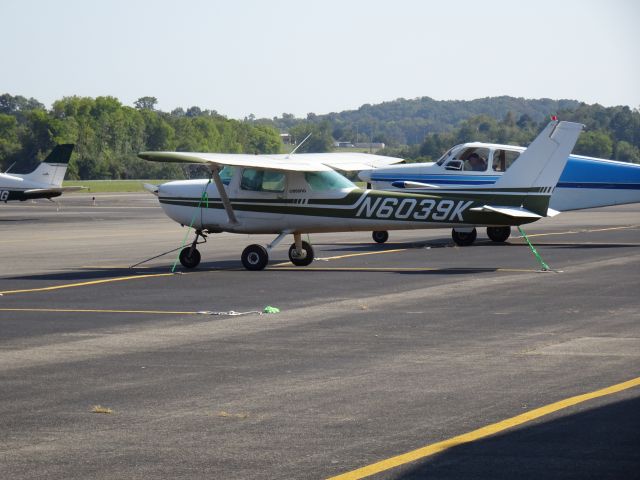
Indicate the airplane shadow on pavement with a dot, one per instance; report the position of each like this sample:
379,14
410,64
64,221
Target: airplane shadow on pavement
98,273
599,443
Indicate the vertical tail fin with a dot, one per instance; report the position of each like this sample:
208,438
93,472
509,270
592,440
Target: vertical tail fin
536,172
541,164
52,170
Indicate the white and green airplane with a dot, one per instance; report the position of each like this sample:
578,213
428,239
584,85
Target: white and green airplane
298,194
43,182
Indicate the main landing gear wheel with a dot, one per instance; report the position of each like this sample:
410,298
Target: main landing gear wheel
380,236
255,257
189,257
305,259
499,234
464,239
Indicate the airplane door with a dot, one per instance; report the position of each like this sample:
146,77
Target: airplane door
261,196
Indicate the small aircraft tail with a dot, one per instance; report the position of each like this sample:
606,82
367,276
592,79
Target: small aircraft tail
537,171
53,169
542,163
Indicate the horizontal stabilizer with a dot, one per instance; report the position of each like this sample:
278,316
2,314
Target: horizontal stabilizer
552,213
412,185
50,192
516,212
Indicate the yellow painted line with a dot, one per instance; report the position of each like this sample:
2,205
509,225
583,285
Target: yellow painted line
483,432
95,310
84,284
116,267
360,254
395,250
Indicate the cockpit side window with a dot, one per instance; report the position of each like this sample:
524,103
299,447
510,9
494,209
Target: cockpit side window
474,158
262,180
502,159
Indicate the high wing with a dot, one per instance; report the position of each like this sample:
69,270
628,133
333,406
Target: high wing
303,162
351,161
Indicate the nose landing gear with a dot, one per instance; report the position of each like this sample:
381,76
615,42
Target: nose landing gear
190,256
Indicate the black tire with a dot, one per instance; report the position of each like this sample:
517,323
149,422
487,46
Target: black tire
303,261
380,236
464,239
255,257
188,258
499,234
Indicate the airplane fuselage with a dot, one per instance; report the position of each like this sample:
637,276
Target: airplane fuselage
297,208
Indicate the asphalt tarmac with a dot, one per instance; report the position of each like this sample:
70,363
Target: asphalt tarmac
409,360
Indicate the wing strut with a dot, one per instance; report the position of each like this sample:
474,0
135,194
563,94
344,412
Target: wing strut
215,173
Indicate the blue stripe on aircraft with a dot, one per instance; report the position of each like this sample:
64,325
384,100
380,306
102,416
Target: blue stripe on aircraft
580,170
579,173
437,179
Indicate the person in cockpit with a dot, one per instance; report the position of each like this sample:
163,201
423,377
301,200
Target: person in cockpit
476,163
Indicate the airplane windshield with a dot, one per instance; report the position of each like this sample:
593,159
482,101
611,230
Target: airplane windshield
322,181
444,157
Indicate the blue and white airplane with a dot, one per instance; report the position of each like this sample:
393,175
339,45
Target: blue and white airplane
586,182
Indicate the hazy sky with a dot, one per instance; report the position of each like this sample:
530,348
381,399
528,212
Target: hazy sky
268,57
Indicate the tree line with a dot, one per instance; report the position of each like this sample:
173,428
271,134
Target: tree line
428,131
108,135
409,121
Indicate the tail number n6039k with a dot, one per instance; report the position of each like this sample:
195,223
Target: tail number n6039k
413,209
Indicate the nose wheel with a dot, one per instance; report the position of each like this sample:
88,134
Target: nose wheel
189,257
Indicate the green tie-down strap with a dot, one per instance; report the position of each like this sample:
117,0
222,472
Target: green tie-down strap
543,265
270,309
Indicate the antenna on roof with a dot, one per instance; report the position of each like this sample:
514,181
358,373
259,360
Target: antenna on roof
10,167
299,145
